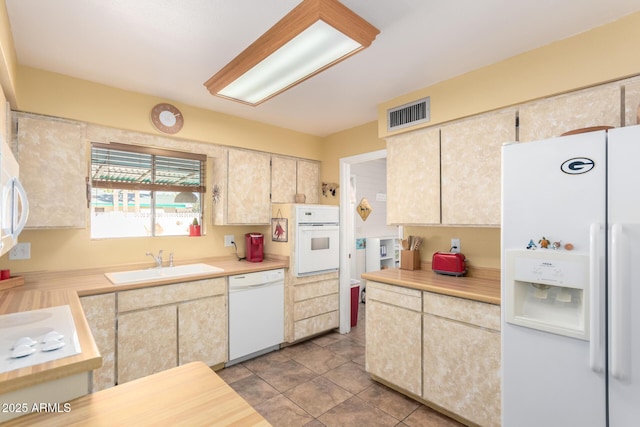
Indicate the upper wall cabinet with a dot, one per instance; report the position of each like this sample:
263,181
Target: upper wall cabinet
283,179
5,118
52,154
413,177
243,183
470,165
632,103
308,180
552,117
292,176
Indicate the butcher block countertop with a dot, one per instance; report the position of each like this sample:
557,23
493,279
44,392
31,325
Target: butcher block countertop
479,285
48,289
93,281
15,301
189,395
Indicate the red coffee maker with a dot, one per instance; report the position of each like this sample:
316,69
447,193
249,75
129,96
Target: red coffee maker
255,245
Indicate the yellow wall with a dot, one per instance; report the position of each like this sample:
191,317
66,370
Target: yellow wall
597,56
42,92
52,94
600,55
603,54
8,59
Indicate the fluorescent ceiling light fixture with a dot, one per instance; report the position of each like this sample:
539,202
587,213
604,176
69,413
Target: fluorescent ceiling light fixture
312,37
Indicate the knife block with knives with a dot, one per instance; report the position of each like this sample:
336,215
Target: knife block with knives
410,253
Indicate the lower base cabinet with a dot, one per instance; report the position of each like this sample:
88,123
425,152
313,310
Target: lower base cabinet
394,335
202,326
165,326
100,312
147,342
316,305
461,351
442,349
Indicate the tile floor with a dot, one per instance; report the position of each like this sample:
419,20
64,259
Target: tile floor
322,382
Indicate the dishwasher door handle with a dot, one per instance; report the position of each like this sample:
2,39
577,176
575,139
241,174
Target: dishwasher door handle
236,288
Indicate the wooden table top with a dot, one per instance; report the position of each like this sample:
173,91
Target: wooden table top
480,285
189,395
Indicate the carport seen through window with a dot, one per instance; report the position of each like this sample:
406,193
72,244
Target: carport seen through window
142,191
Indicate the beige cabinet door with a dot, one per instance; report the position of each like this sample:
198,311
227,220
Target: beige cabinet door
100,312
248,187
55,178
147,342
461,351
413,178
471,168
552,117
202,331
632,102
308,180
462,369
394,351
283,179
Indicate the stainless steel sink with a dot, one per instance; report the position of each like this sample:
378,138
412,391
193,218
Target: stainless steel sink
152,274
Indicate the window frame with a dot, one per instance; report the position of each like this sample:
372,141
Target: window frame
152,187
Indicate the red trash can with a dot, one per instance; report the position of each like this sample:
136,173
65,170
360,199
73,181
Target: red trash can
355,299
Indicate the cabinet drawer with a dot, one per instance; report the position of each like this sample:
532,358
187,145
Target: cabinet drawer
169,294
315,325
315,289
463,310
314,307
410,299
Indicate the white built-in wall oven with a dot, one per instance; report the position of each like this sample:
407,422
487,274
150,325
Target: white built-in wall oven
317,248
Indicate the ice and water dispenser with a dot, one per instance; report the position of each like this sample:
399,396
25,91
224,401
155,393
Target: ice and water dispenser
548,290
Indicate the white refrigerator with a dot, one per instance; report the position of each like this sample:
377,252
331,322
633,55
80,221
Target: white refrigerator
571,281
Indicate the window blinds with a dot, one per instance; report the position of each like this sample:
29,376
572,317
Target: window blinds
142,168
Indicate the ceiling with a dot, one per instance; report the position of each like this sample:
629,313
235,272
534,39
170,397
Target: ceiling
169,48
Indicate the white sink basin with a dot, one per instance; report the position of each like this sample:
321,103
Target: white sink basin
152,274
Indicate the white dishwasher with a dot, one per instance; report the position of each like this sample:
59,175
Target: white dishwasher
256,314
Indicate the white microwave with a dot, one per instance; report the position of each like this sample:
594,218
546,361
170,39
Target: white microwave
14,205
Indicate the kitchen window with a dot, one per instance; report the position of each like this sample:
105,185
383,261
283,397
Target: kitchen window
141,191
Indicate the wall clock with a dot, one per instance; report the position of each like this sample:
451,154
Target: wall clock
167,118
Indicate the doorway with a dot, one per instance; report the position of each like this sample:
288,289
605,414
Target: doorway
347,231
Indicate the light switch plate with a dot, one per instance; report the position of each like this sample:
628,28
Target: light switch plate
20,251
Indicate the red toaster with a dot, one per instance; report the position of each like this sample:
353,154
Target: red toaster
452,264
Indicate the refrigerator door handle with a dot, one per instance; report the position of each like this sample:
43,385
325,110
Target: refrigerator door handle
619,301
596,316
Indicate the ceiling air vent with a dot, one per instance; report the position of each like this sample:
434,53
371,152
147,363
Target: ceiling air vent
408,114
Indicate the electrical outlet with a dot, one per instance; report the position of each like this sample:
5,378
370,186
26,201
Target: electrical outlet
20,251
455,245
229,239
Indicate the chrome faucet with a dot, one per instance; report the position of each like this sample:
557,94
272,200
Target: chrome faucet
157,259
